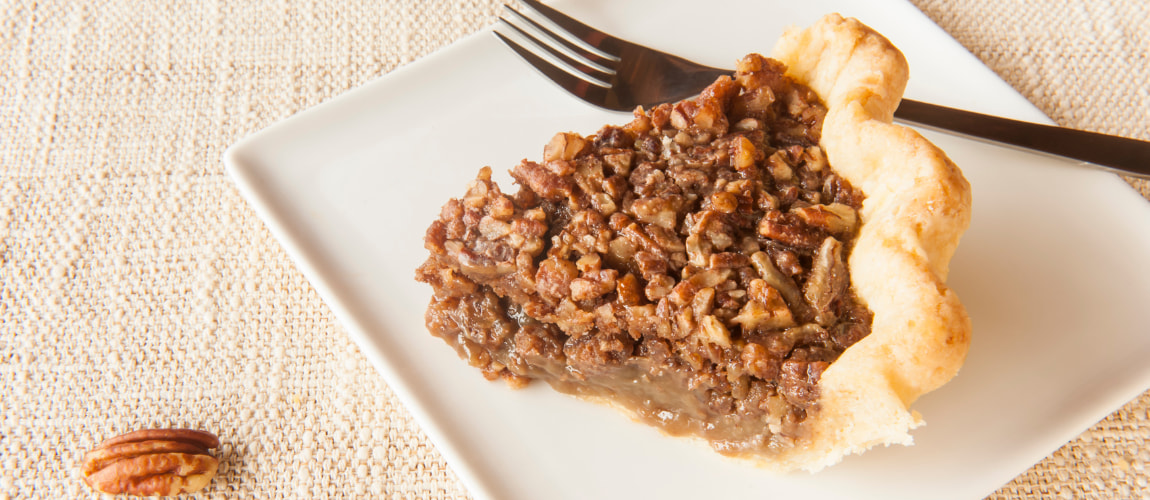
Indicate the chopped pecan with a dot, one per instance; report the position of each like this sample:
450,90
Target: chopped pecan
712,330
658,211
798,380
592,285
790,230
828,281
765,309
777,280
837,219
659,286
596,352
554,277
542,181
564,146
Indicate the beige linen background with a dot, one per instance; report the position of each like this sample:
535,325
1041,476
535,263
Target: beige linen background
138,289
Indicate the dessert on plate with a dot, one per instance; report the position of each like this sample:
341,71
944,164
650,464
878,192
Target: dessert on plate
762,267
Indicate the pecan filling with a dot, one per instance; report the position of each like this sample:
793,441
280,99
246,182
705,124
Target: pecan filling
690,265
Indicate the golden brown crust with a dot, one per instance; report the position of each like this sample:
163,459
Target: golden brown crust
917,207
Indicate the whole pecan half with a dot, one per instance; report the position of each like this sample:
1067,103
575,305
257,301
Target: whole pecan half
152,462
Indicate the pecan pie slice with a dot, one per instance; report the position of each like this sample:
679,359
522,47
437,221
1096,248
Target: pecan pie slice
762,266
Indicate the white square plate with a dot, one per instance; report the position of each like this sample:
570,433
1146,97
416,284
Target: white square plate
1052,269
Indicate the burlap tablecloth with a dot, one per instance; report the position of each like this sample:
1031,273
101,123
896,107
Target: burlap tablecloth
138,289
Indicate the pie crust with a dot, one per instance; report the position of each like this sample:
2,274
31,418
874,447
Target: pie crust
917,207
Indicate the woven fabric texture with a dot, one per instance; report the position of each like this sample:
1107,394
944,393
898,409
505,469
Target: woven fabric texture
137,288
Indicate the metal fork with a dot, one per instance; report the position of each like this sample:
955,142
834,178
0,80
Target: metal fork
619,75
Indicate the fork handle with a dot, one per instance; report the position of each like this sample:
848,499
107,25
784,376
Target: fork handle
1119,154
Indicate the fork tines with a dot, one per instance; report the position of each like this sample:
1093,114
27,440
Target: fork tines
556,48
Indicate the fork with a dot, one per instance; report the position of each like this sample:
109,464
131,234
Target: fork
619,75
